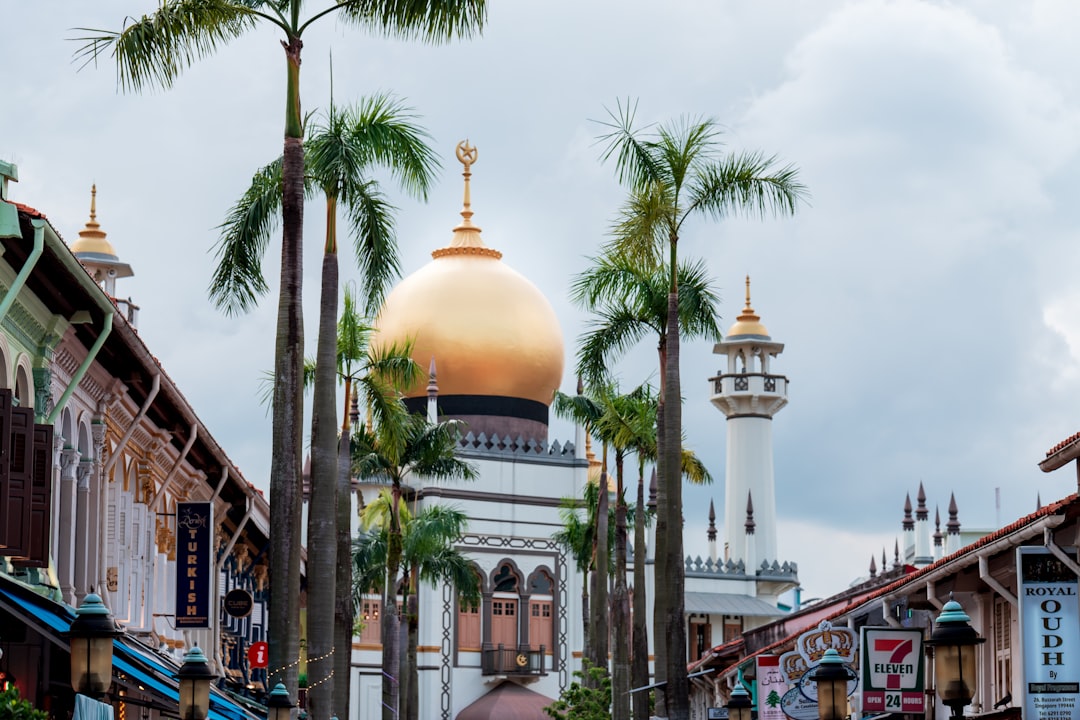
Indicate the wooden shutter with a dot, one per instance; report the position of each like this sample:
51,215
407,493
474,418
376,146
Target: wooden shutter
5,451
20,468
40,499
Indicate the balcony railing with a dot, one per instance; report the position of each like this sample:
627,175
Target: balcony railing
502,660
754,383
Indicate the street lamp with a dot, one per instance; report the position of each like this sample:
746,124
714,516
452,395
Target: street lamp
279,703
740,705
195,676
91,635
832,677
954,642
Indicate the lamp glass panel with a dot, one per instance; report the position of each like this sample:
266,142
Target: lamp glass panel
194,698
91,665
743,713
954,673
832,699
276,713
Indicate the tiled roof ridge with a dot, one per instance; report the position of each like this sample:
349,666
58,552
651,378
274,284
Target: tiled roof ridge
32,212
1051,509
1063,444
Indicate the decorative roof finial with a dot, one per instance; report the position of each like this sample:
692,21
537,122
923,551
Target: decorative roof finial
909,522
433,385
921,511
938,536
711,533
748,294
466,155
873,567
750,524
466,239
93,202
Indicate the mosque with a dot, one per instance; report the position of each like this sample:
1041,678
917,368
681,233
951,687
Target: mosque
495,351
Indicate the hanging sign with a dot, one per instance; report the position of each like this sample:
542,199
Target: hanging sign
238,603
259,655
800,702
770,687
892,671
194,536
1049,635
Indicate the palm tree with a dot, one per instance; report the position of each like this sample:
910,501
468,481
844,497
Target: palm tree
343,150
577,537
372,375
629,301
394,452
673,172
152,51
428,555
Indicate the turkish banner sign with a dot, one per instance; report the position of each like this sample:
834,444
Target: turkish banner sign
194,537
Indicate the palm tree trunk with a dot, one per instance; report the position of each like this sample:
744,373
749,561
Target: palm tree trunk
586,610
639,669
391,638
620,606
661,590
599,620
288,412
677,690
322,507
411,694
343,603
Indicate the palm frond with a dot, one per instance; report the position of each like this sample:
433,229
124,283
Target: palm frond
643,226
747,183
636,161
433,21
374,241
156,48
237,281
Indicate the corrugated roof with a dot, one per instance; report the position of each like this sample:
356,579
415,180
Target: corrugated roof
730,604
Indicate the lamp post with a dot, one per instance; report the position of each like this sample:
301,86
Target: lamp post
91,635
279,704
195,677
740,705
832,677
954,642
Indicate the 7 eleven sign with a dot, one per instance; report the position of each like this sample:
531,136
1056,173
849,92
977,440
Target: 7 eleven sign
892,671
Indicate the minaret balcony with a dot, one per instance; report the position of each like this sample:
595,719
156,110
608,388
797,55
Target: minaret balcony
749,384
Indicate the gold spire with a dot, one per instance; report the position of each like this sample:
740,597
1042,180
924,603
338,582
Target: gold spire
748,323
92,237
466,239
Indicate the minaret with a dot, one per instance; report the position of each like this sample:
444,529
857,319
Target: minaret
749,395
939,546
952,528
922,531
97,254
711,534
432,395
908,529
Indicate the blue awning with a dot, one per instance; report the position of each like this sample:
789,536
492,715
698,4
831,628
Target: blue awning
134,664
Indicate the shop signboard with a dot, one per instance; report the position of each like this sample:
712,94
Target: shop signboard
194,537
893,671
1049,634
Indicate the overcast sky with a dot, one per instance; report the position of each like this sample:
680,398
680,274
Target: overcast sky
926,295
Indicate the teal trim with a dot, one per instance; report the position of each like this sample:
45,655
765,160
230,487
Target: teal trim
27,268
81,371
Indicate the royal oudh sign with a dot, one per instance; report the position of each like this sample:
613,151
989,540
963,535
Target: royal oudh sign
194,535
1049,635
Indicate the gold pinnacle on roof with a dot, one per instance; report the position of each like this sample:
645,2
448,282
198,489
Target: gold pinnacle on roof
748,323
466,239
92,237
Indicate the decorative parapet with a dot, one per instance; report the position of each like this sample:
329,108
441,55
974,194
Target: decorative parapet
696,567
504,447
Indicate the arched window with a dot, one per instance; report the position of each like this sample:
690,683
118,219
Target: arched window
541,604
504,606
468,627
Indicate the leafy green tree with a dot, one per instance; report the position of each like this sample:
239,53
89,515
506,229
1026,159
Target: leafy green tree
394,452
152,51
673,172
577,537
428,555
587,698
14,707
773,699
343,149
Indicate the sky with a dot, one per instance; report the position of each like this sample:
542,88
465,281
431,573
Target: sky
926,294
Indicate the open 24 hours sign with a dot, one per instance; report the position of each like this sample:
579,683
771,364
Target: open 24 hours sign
892,671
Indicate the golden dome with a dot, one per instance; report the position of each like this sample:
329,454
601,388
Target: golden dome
747,323
92,238
490,331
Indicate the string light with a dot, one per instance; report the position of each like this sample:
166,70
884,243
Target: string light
297,661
